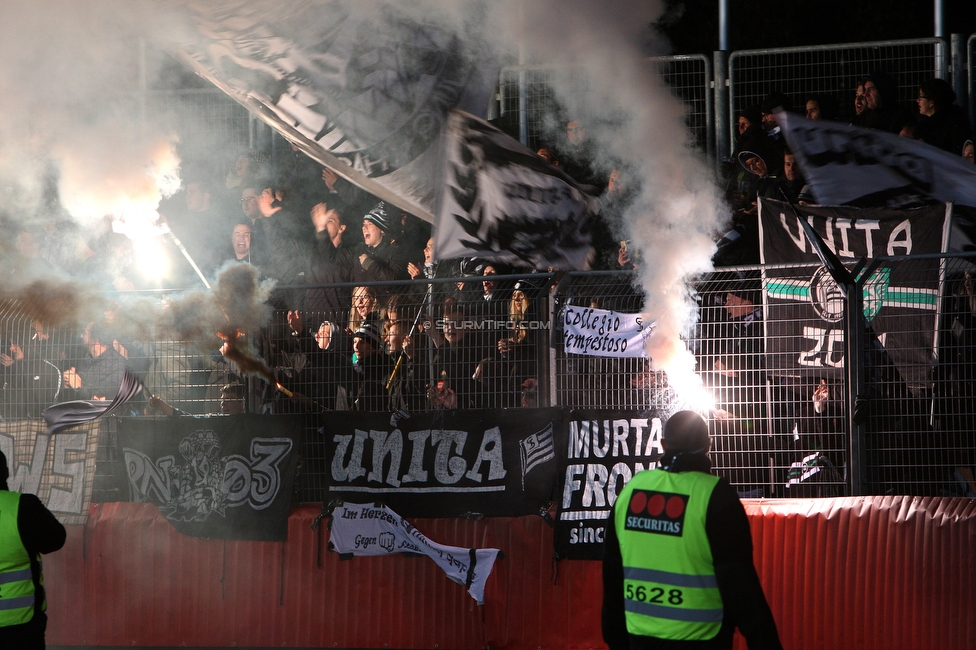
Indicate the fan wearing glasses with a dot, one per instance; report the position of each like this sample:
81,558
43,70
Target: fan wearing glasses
941,122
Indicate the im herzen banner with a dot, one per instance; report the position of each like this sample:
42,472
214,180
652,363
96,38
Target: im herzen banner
602,451
364,529
496,463
227,477
804,307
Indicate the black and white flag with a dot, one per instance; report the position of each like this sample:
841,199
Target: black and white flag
536,449
227,477
848,164
500,201
365,92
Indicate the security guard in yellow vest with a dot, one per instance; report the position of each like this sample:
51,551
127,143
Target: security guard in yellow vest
27,529
677,566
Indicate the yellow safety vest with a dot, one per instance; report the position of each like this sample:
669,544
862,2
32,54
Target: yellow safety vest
670,590
17,594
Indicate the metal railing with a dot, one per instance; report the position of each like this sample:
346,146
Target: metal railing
529,106
832,71
690,79
778,429
971,76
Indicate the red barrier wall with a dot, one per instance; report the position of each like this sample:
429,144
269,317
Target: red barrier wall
872,572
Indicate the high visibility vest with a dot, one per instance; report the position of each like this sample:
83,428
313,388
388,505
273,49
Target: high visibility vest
17,592
670,590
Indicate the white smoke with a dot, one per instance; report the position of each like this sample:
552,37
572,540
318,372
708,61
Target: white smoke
68,95
69,77
632,117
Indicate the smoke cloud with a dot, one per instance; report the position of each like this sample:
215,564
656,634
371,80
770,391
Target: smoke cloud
70,70
634,120
67,93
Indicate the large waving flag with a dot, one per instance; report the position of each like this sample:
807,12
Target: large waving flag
847,164
500,201
68,414
364,92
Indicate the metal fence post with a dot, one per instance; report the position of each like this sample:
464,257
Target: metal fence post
523,109
723,133
549,372
960,71
854,342
970,67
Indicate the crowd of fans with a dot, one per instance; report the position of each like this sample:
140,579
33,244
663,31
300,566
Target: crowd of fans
339,339
762,164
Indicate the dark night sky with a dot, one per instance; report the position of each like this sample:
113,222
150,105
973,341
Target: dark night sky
692,25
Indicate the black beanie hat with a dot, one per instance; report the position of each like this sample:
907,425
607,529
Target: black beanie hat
686,432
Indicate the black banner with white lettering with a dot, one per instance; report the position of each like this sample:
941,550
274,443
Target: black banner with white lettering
804,307
218,477
497,463
602,451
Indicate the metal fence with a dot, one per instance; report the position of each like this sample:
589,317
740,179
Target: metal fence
971,76
529,106
832,71
206,120
780,428
920,425
527,103
690,79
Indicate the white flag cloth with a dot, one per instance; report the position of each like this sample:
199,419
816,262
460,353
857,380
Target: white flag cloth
500,201
602,333
365,529
844,164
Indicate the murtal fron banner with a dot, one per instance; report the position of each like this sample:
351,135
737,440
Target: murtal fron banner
602,451
804,308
